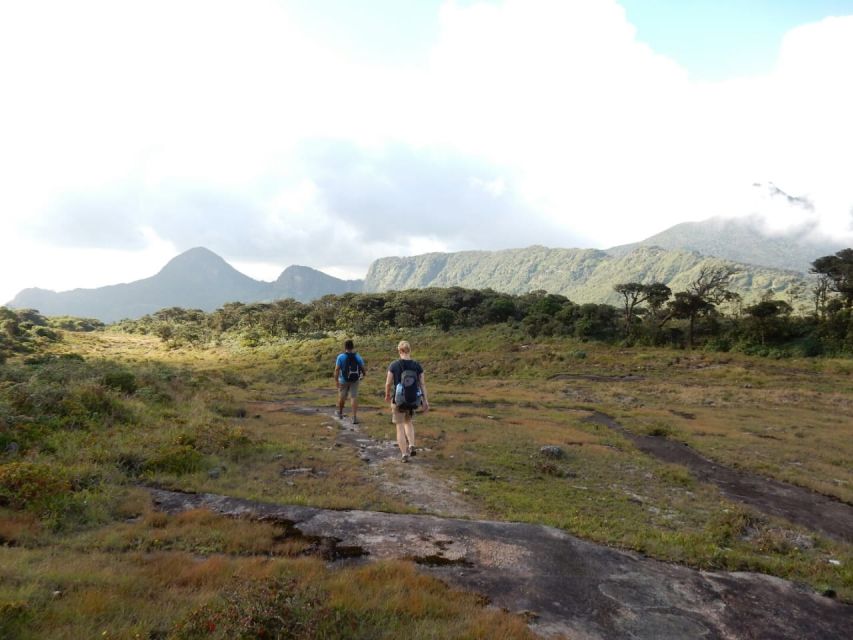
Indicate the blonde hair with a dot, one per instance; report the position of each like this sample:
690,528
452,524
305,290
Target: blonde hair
404,346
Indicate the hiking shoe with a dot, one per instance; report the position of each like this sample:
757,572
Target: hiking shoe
339,415
354,420
405,458
412,451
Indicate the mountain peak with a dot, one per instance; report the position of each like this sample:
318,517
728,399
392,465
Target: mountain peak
195,279
195,258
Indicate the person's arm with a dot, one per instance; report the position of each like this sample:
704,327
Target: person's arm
363,366
422,382
389,382
337,375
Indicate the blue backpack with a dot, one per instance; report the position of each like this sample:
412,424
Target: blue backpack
407,395
353,371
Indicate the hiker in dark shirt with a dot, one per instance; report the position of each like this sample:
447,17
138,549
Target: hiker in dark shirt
405,402
349,370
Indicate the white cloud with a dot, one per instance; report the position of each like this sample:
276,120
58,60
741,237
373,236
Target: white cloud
154,125
602,130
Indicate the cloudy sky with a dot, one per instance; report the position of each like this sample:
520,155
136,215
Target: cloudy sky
329,133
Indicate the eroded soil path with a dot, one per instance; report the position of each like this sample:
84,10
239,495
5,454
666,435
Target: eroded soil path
561,584
808,508
410,482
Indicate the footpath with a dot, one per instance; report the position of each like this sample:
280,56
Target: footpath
559,583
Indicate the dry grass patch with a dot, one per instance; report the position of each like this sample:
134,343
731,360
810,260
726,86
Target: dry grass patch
18,528
177,595
198,531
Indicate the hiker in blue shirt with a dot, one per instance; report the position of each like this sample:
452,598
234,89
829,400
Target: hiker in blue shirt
349,370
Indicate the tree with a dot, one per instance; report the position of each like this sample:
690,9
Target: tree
442,318
820,289
767,317
709,289
635,294
838,269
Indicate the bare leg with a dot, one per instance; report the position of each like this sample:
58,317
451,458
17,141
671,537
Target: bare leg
354,403
410,431
401,439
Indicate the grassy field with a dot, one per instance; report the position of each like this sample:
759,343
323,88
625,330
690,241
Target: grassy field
86,425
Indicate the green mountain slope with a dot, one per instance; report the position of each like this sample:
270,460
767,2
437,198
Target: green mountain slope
583,275
740,240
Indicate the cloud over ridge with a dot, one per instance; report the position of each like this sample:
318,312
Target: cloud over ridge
135,125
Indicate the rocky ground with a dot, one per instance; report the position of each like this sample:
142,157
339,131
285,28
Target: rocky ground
561,584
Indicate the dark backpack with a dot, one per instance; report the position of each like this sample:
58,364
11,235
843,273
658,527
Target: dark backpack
352,369
408,392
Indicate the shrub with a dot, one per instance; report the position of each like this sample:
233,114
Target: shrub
120,380
227,410
809,347
178,459
24,484
275,609
14,616
130,463
442,318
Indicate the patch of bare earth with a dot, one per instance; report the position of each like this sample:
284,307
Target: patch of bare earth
411,482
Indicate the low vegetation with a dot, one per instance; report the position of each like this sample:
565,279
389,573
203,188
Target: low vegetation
89,418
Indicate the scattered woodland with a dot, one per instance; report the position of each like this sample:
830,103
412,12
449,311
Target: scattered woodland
706,313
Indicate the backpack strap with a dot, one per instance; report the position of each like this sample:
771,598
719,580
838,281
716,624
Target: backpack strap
399,366
351,359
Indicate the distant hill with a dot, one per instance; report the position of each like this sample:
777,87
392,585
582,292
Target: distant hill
583,275
200,279
740,240
196,279
305,284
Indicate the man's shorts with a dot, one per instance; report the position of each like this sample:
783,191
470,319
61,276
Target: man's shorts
350,388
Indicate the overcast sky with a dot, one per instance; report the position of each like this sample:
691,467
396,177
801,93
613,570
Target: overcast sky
329,133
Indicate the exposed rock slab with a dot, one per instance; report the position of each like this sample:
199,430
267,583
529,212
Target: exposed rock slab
563,584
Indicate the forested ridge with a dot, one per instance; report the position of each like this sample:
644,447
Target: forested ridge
706,313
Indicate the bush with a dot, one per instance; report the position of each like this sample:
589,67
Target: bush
14,616
178,459
26,484
75,324
275,609
442,318
809,347
123,381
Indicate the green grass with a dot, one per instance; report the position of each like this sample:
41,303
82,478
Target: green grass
98,414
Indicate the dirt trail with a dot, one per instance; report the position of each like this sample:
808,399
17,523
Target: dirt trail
805,507
417,487
410,482
561,584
